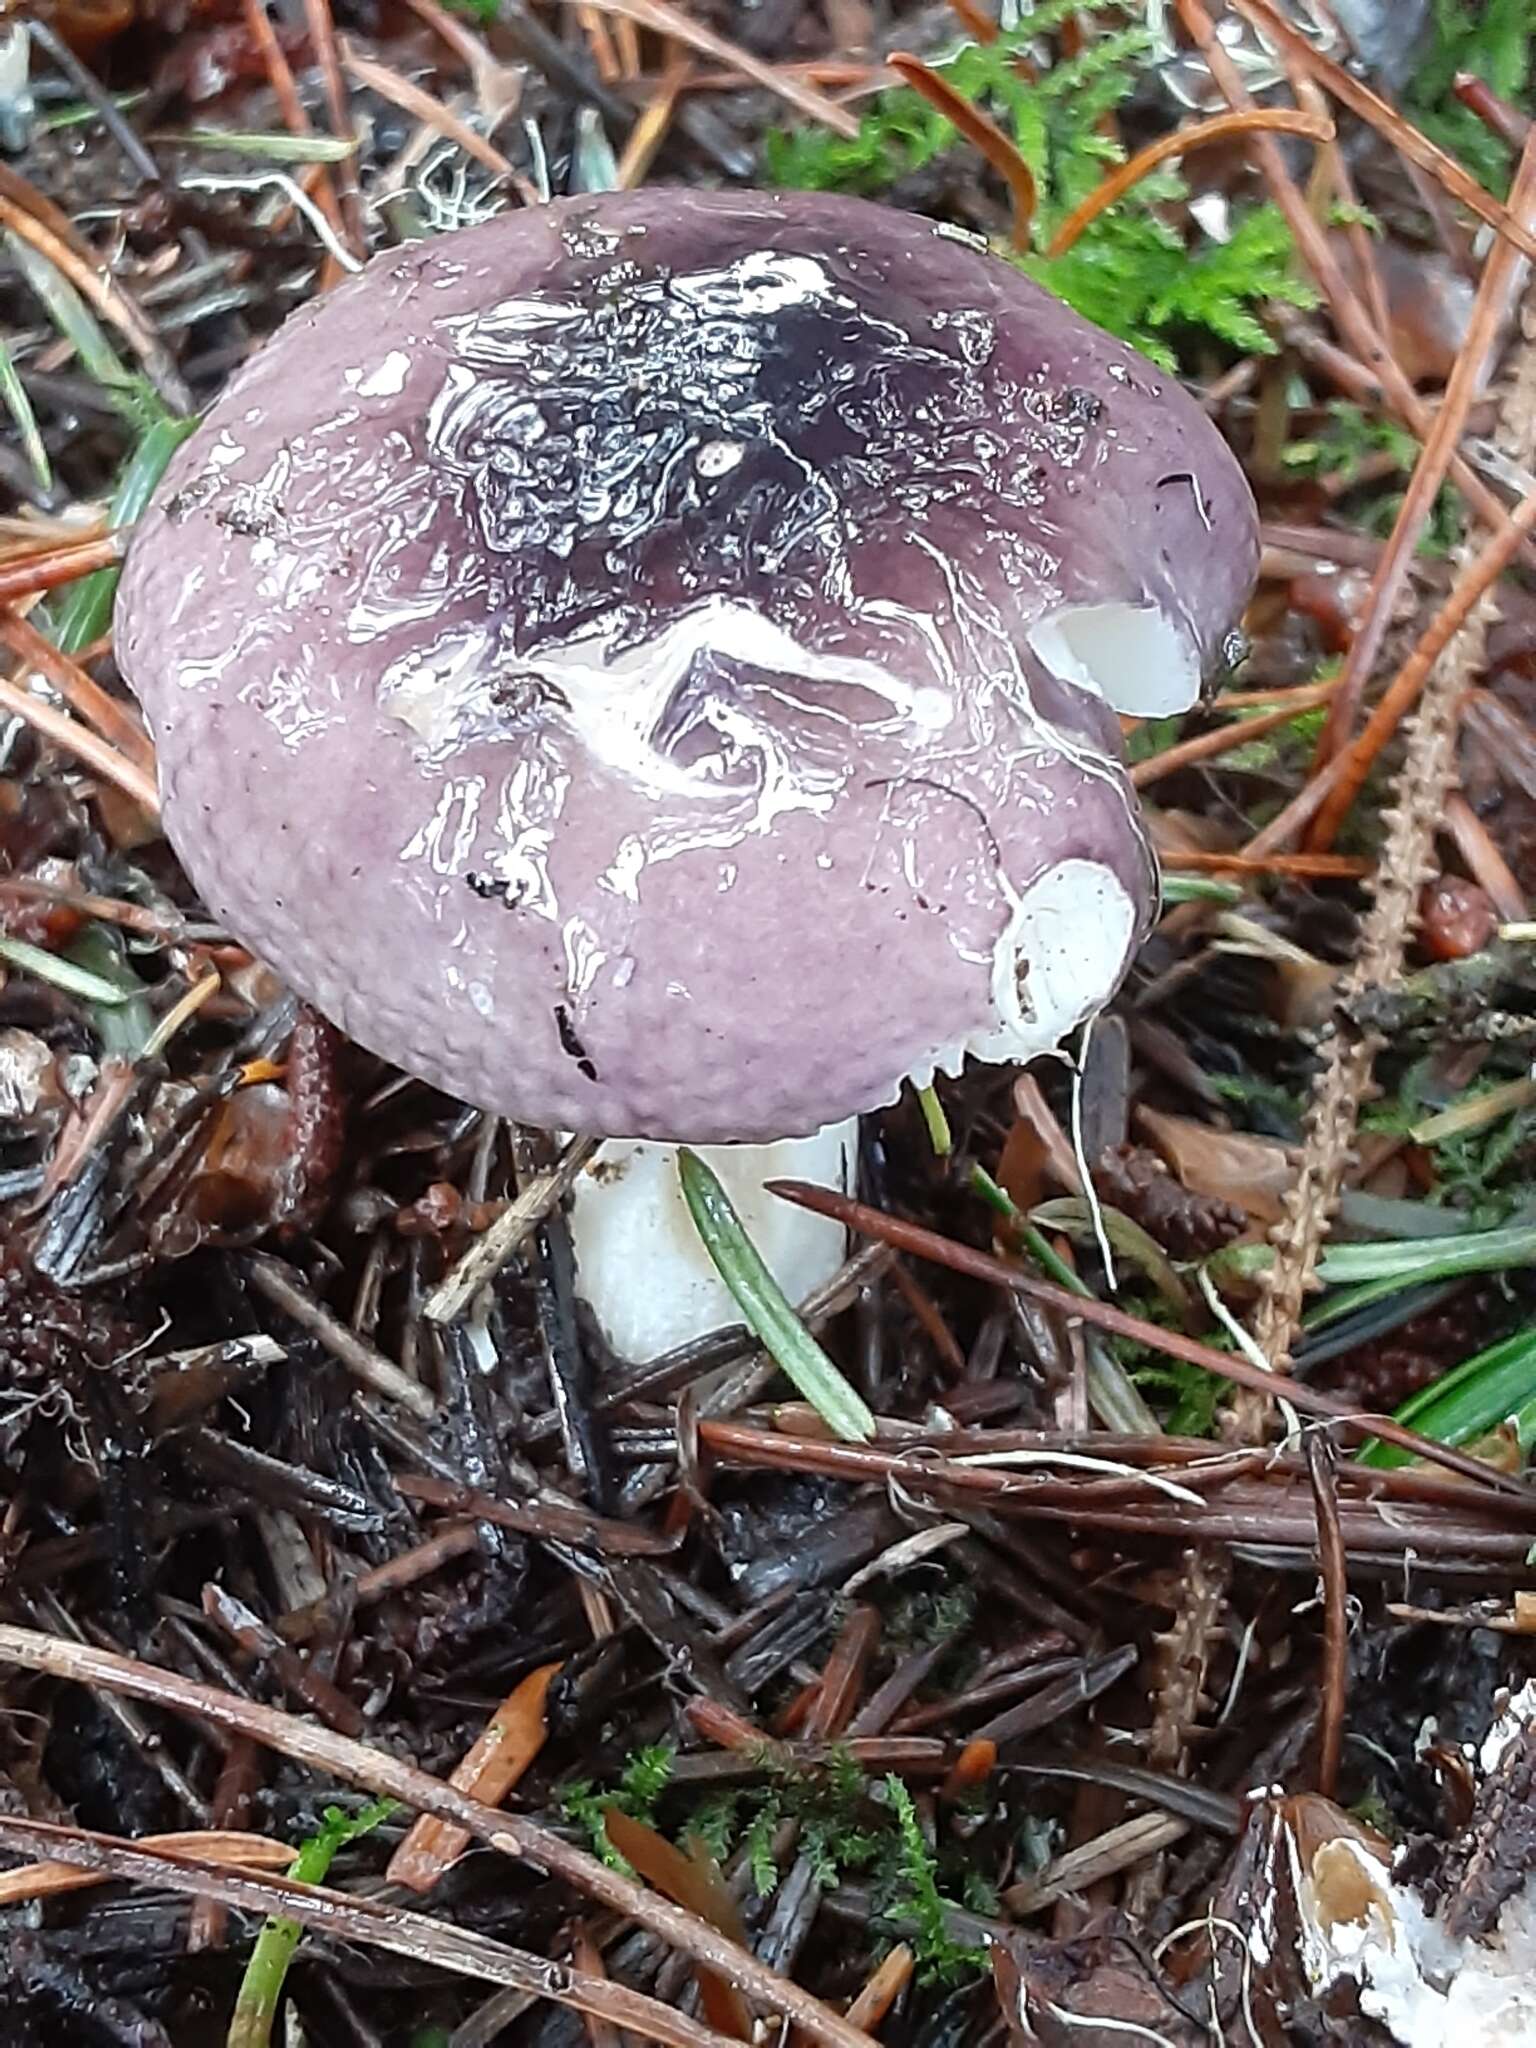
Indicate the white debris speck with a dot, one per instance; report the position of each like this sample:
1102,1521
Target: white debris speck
1509,1727
717,458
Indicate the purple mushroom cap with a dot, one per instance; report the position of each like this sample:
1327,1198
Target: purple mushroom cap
648,665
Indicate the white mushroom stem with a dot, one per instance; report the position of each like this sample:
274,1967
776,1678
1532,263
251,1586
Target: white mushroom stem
640,1266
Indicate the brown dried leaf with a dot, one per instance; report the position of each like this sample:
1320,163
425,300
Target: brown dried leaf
507,1745
1232,1166
693,1880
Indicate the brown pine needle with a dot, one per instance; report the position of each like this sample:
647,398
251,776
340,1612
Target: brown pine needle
1319,867
972,1767
1483,860
664,19
1224,739
1219,128
599,44
30,573
1429,471
77,739
1345,308
507,1745
35,220
322,37
883,1988
650,131
295,115
1381,115
973,21
215,1845
1345,775
691,1879
981,132
419,103
84,696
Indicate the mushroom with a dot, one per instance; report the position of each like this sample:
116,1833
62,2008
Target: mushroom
649,666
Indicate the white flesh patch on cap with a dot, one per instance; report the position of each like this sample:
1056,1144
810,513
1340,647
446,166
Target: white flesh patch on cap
640,1266
1059,959
1131,655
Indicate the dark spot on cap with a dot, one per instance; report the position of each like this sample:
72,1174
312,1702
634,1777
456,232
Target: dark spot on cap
570,1042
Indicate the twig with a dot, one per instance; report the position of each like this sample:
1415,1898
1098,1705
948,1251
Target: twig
491,1251
963,1258
1251,1509
214,1845
85,82
555,1520
388,1777
280,1286
366,1921
307,1683
1119,1847
1219,128
1335,1578
453,1539
1507,122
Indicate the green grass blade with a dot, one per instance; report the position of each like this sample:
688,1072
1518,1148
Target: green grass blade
1365,1273
1497,1385
1031,1236
64,974
86,609
940,1136
763,1305
1199,889
133,397
79,113
13,394
262,1986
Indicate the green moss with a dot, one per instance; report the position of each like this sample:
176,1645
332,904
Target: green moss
1133,271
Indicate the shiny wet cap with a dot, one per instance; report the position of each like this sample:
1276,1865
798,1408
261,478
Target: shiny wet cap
648,665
